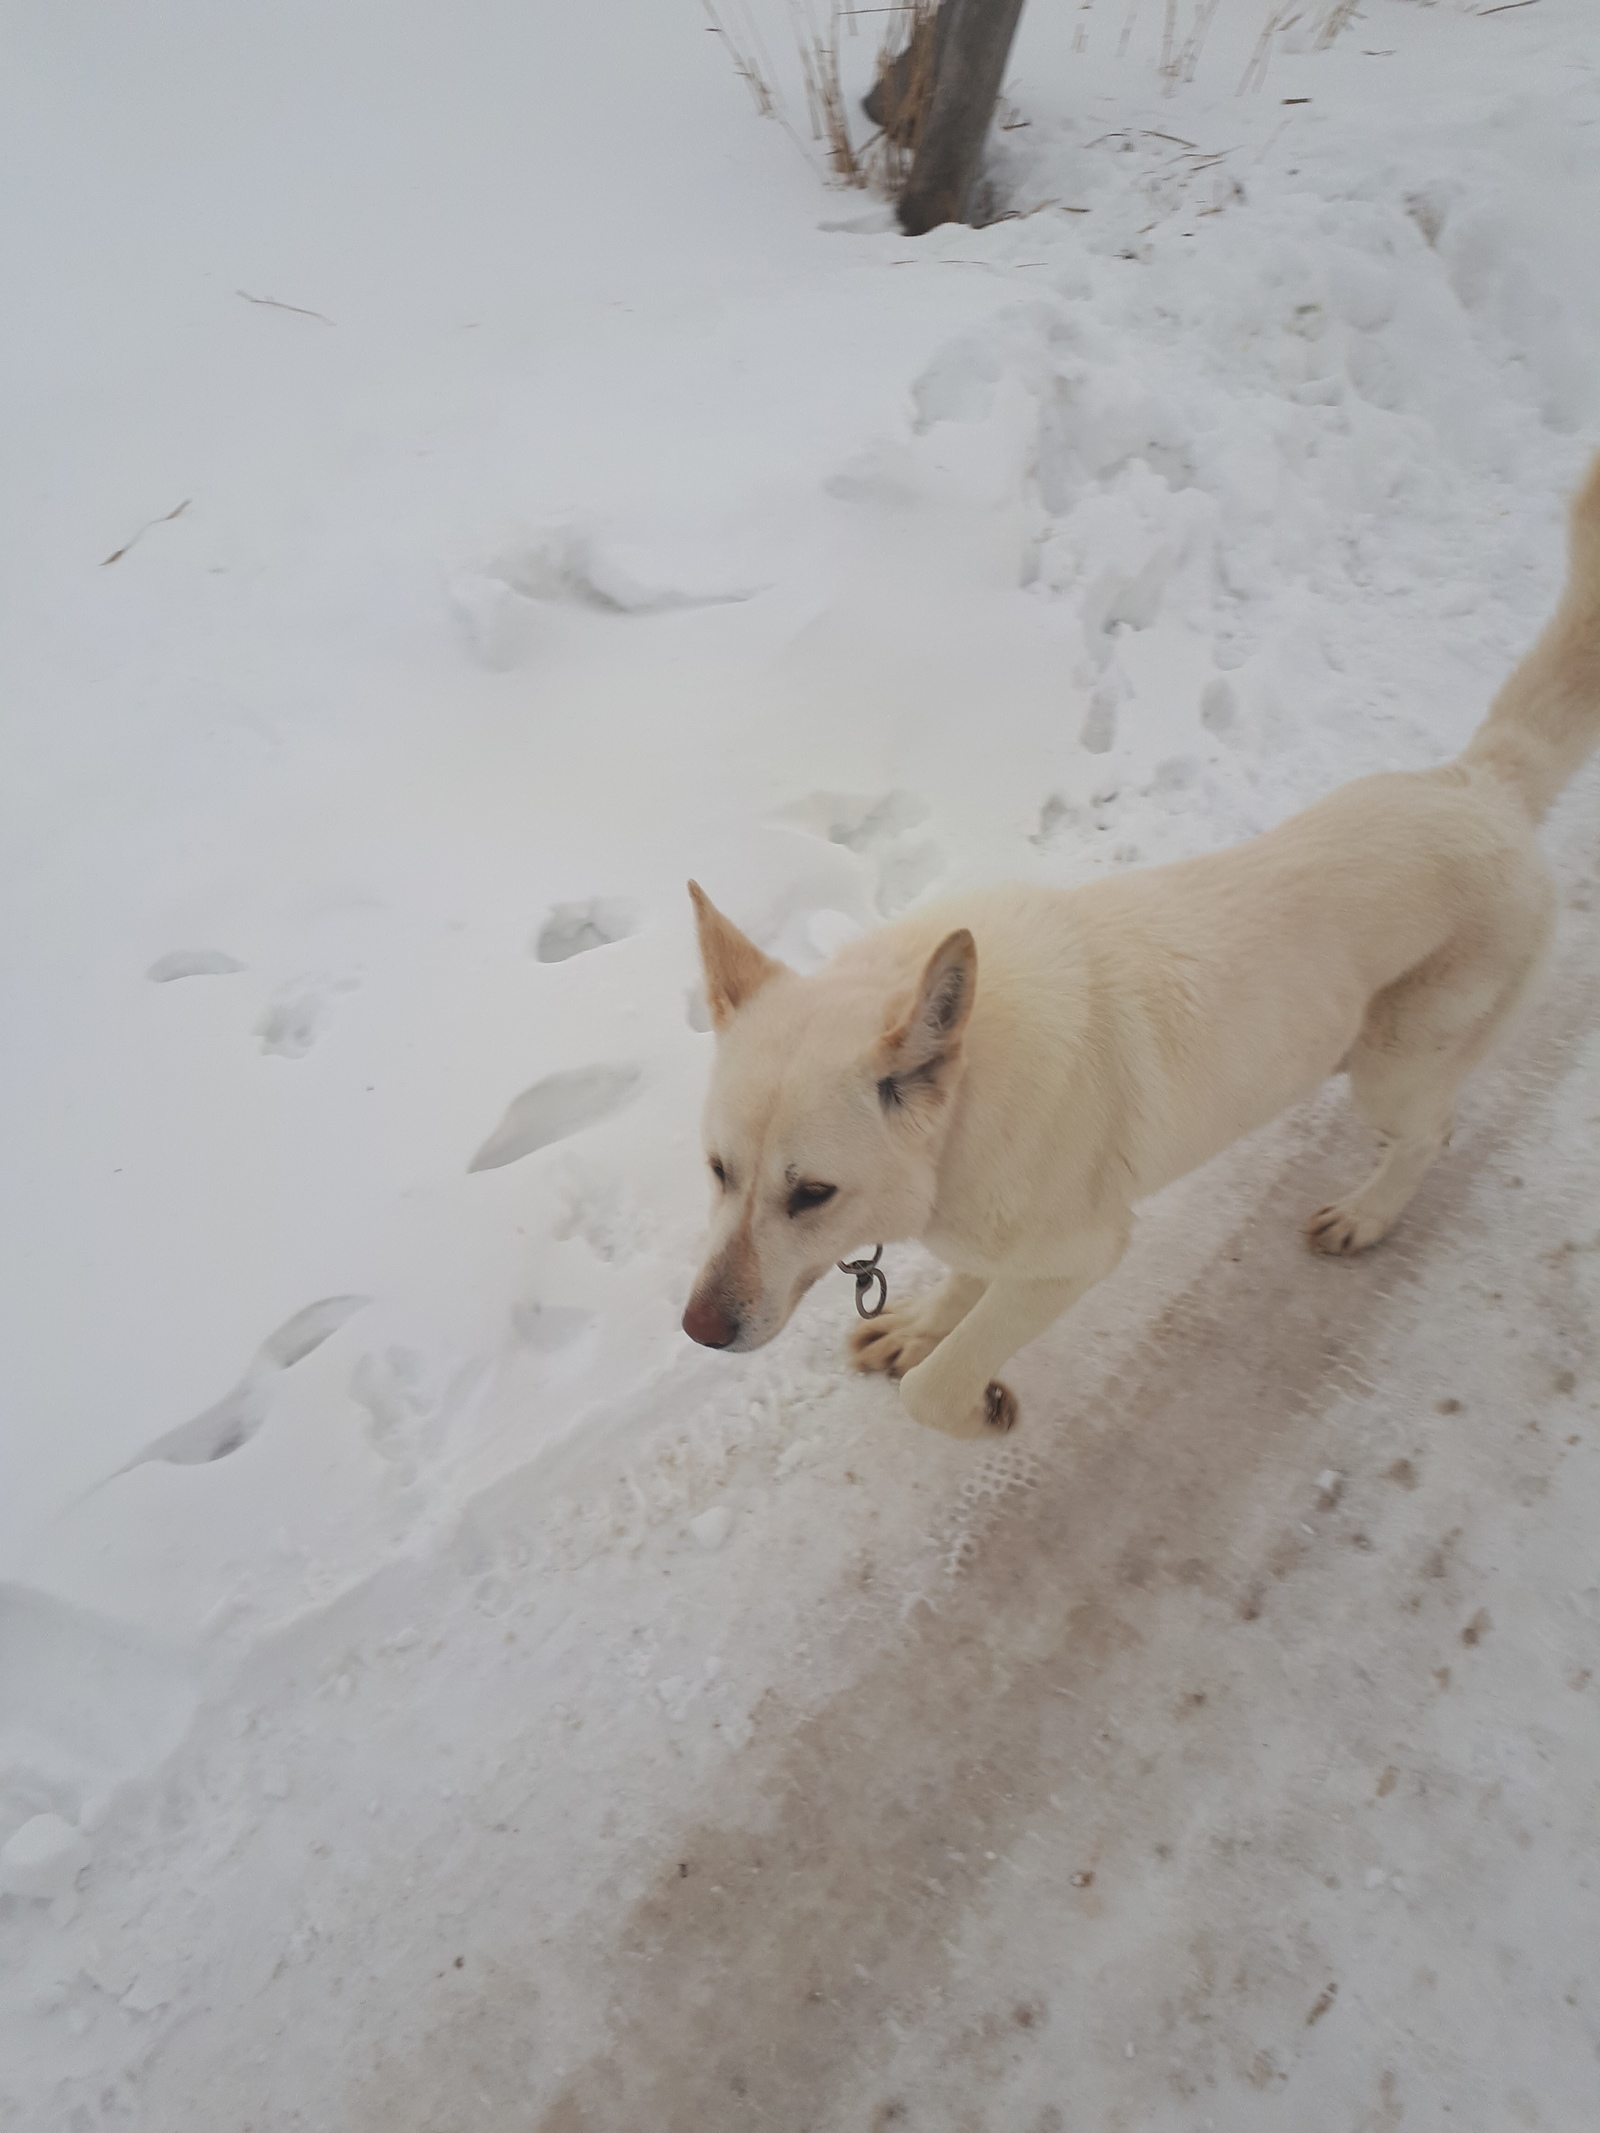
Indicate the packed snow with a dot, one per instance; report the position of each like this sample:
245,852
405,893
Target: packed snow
468,471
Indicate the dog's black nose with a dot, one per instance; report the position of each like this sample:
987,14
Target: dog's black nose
707,1323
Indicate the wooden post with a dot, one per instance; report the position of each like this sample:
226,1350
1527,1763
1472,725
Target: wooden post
972,64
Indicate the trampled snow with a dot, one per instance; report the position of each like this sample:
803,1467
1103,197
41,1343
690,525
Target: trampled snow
467,473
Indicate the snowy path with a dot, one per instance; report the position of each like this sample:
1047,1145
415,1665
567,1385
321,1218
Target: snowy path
1139,1777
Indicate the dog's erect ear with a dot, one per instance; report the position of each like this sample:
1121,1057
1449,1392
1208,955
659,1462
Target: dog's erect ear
734,967
920,1044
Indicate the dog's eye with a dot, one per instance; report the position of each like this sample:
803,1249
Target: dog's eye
718,1172
805,1197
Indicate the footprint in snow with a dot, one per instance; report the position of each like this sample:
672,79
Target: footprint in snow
861,823
1099,733
1179,773
497,608
553,1110
192,963
619,576
1219,706
958,385
881,827
598,1210
236,1418
1058,818
574,929
295,1017
411,1399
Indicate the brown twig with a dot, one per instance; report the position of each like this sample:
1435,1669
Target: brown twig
117,554
273,304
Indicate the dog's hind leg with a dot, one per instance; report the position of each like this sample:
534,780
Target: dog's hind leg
955,1389
906,1334
1420,1039
1415,1125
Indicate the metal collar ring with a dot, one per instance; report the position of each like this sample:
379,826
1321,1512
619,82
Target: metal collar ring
866,1272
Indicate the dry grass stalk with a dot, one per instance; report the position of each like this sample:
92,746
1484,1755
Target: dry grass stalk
825,97
1169,42
117,554
272,304
1188,57
1178,60
750,63
817,45
1282,15
1341,12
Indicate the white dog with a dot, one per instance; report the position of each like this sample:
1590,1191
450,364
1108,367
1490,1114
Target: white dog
1004,1075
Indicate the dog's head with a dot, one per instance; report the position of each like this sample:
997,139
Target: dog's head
829,1105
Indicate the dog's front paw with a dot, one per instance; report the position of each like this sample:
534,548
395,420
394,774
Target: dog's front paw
1347,1227
994,1414
894,1342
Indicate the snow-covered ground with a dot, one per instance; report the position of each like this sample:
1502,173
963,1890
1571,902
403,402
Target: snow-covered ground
462,1705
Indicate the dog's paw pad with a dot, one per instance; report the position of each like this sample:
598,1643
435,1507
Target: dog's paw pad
1000,1408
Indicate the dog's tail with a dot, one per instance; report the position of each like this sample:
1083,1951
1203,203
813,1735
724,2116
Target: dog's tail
1546,718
